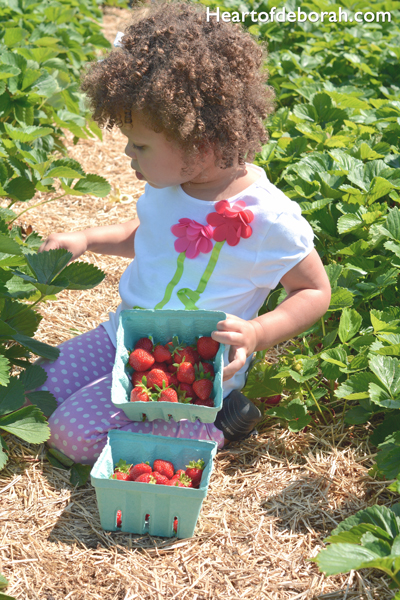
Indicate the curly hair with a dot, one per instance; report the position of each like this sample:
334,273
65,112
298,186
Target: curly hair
199,82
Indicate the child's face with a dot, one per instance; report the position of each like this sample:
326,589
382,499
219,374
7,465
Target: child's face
154,158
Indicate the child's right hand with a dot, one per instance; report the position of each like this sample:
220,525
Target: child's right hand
75,242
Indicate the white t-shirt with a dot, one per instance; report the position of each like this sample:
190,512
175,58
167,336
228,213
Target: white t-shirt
241,277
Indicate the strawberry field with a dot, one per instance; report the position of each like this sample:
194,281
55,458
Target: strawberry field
326,461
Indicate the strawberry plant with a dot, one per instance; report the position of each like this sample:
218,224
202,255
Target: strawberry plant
368,539
43,47
27,278
334,149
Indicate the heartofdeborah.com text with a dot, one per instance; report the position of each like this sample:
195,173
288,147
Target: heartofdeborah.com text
300,16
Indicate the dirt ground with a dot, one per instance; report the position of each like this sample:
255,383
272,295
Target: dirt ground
271,501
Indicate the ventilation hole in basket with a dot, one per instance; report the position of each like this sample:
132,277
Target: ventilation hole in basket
119,519
169,417
175,526
146,524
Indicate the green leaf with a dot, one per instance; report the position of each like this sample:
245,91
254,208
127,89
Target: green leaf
261,382
357,416
3,582
6,597
44,400
355,534
28,423
382,397
20,189
356,386
48,264
340,298
381,547
380,516
33,377
295,413
392,224
4,371
81,276
3,452
388,456
387,369
342,558
349,324
93,185
333,360
39,348
12,396
390,424
26,134
80,474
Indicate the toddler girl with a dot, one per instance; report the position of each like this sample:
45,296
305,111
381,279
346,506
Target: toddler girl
212,232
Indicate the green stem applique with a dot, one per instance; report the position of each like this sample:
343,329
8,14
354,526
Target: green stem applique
189,297
174,281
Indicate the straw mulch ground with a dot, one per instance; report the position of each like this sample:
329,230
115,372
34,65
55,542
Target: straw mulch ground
271,502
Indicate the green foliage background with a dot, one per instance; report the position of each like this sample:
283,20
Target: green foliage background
334,149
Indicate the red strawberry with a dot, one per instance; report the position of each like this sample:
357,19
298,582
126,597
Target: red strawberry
194,470
137,376
186,354
160,479
161,354
168,395
140,393
144,343
165,467
141,360
272,400
172,368
185,391
185,372
156,377
181,481
139,469
119,518
179,473
162,366
207,402
173,380
206,367
207,347
203,388
146,478
121,470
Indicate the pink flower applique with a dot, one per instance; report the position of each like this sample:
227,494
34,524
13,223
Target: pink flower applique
230,222
193,237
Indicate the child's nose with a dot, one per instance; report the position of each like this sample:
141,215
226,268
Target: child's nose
130,152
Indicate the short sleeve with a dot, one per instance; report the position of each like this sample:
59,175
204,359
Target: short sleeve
287,241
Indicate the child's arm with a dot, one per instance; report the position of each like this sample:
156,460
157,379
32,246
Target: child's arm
309,293
116,240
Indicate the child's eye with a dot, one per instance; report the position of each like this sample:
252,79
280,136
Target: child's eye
137,147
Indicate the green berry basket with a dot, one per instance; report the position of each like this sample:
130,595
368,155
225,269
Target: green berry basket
162,504
163,325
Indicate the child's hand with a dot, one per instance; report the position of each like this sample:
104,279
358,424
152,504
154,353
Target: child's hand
75,242
241,336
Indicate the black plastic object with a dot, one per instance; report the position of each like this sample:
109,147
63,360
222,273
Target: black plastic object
238,417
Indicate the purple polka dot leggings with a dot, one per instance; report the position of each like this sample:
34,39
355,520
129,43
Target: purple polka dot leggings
80,379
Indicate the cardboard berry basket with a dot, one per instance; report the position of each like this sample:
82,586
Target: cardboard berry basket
161,504
163,325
